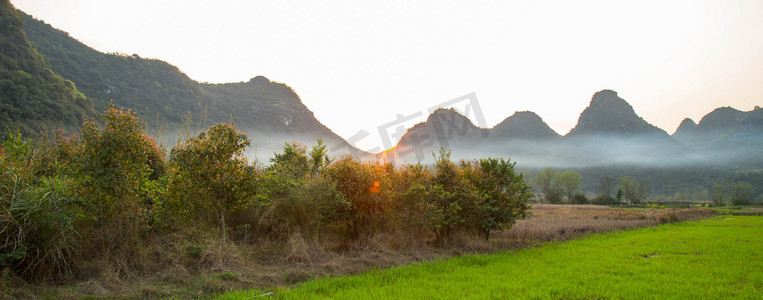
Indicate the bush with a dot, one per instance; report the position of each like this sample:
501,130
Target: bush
605,200
299,197
579,199
554,196
365,186
409,209
502,195
112,167
210,172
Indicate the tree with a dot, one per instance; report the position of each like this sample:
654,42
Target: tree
112,165
606,186
632,190
569,182
210,171
544,180
503,195
719,193
413,185
297,195
450,197
741,193
364,186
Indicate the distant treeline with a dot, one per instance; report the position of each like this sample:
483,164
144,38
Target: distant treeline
613,185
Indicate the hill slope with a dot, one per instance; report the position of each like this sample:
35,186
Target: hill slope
160,94
32,96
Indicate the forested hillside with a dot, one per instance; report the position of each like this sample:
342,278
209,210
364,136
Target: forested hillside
32,96
164,97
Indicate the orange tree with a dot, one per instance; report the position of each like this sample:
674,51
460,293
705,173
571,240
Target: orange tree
209,171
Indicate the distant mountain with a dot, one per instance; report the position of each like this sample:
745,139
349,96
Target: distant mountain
686,131
724,127
523,125
161,95
609,132
444,128
608,114
610,140
32,96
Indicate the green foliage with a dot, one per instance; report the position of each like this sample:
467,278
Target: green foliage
104,190
36,217
503,195
569,182
579,199
606,186
209,171
413,184
163,95
544,181
555,185
736,193
365,187
228,275
112,169
633,191
451,197
32,96
298,195
605,200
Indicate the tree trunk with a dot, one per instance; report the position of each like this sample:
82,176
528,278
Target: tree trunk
222,223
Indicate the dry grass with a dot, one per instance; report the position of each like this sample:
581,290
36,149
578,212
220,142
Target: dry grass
197,264
562,222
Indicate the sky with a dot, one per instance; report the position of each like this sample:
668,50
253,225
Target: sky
362,65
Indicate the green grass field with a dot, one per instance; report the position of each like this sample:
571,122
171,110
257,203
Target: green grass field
710,259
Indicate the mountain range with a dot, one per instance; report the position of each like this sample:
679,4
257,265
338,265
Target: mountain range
50,80
168,101
608,132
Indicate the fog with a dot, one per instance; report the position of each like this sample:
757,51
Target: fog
263,145
643,151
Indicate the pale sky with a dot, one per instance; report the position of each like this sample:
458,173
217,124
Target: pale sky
359,64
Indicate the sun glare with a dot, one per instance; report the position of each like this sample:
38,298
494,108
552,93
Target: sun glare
375,187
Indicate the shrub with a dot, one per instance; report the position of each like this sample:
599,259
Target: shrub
604,200
451,197
579,199
554,196
209,171
411,186
112,166
298,196
502,195
365,187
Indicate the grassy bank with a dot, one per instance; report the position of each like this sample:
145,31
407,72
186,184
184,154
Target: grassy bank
716,258
197,265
